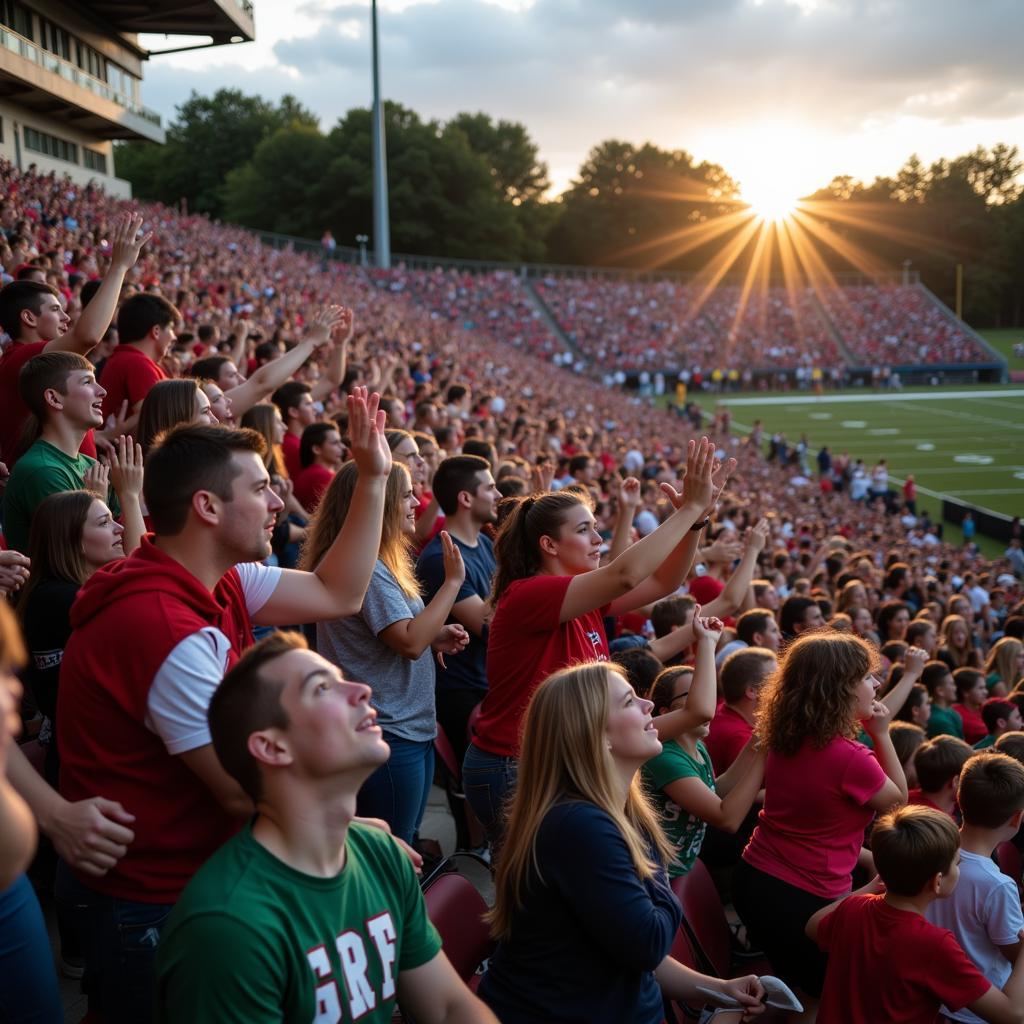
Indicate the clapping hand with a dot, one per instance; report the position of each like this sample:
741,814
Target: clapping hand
367,443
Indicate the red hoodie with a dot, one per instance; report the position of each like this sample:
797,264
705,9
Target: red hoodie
126,620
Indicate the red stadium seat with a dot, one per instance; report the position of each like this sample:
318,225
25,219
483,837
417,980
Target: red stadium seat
456,910
1009,860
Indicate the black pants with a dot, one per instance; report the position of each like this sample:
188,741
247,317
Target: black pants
776,914
453,710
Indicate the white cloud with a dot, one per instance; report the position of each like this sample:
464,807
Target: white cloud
846,85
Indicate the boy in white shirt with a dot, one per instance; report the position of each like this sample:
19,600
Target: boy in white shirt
984,911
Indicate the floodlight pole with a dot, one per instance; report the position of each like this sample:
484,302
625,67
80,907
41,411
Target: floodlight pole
381,224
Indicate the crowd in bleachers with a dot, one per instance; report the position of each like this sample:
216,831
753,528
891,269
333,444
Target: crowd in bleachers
660,669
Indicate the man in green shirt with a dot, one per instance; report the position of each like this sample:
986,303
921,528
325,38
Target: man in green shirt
61,392
305,915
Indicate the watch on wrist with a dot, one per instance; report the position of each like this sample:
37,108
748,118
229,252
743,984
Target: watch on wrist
700,526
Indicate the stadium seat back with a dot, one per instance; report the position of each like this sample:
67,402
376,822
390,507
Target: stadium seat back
1009,860
705,915
456,910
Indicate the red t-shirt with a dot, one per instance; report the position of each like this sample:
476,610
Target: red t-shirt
974,725
886,964
13,411
729,734
525,645
916,796
811,827
311,484
128,373
290,450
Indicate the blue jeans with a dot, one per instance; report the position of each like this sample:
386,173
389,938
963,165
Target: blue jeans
397,791
489,780
120,944
28,982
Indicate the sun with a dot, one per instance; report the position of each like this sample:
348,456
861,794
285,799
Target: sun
770,199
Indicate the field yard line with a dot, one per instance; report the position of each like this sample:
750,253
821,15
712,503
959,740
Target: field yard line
992,490
889,396
970,417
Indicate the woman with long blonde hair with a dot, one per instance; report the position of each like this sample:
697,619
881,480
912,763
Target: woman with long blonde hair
389,644
821,788
956,649
583,912
1004,668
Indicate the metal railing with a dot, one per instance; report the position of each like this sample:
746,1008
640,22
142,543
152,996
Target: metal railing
72,73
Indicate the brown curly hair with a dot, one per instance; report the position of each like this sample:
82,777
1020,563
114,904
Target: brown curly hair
810,696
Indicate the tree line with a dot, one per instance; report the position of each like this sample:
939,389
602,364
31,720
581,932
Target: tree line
473,187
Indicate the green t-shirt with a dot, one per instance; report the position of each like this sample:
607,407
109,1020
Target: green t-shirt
985,742
945,722
253,940
43,470
685,831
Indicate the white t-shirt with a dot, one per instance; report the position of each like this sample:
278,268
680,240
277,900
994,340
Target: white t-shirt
186,681
983,913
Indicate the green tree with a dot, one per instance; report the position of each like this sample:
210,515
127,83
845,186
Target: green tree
629,203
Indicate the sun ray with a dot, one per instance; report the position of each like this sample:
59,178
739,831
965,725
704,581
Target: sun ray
754,274
685,239
718,266
850,251
856,217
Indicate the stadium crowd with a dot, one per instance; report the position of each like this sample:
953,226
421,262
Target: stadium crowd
671,670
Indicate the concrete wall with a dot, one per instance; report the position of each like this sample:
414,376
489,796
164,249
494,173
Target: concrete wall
15,118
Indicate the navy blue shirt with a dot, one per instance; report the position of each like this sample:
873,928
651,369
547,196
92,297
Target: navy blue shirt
590,933
466,670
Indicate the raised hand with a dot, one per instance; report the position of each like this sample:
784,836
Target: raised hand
324,322
451,639
701,465
97,479
126,244
707,629
757,535
878,721
126,468
629,493
542,472
914,661
344,328
722,472
368,446
454,567
727,548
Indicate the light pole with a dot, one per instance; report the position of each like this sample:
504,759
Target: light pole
381,225
362,240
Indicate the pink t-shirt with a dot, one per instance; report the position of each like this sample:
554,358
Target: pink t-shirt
811,827
730,733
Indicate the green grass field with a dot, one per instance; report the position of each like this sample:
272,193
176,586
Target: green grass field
1002,339
963,443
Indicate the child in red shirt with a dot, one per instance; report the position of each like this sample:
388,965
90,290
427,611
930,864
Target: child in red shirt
886,961
938,764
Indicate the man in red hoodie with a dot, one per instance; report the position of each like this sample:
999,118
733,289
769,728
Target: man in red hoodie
153,635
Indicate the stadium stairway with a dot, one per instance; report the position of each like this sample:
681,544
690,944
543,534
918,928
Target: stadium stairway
553,325
837,335
967,329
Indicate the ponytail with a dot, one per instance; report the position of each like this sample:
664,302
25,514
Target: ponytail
517,546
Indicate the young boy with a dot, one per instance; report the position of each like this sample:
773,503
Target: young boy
887,962
938,681
938,764
1000,716
984,911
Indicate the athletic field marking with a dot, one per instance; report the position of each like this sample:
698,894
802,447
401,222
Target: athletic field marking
892,396
991,490
883,431
974,459
969,417
926,446
854,424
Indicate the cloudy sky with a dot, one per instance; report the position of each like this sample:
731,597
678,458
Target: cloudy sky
817,87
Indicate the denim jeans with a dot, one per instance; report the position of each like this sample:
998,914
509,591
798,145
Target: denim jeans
397,791
489,780
120,944
28,982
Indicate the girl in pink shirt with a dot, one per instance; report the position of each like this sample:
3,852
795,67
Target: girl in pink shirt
822,789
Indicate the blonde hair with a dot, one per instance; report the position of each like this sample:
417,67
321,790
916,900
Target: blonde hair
1002,660
326,524
966,656
565,756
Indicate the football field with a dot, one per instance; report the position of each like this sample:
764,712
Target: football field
962,443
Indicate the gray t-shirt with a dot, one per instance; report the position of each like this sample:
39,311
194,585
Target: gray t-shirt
403,689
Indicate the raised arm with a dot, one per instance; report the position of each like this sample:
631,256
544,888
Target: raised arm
334,372
627,502
700,701
270,377
337,586
239,336
602,586
913,666
17,827
737,587
725,806
96,317
894,789
411,637
126,479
